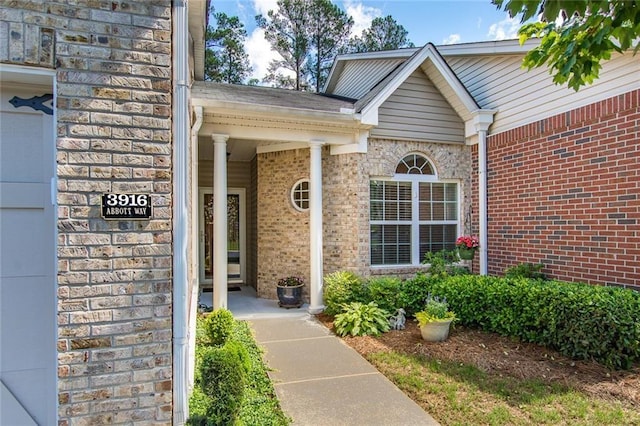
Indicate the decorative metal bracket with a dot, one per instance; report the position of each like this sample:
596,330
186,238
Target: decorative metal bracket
37,103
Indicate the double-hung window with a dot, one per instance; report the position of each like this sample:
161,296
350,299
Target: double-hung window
411,214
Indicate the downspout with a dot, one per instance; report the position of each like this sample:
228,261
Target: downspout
195,232
482,120
180,211
482,199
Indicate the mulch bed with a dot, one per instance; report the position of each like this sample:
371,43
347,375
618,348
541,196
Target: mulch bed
499,355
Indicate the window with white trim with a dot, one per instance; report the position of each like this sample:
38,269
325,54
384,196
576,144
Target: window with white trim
411,214
300,195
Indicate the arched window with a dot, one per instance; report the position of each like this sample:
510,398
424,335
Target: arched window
300,195
412,213
414,164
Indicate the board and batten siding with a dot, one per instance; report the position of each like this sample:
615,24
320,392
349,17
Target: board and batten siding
418,111
521,96
360,76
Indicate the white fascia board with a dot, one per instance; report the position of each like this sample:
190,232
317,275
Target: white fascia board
502,47
241,108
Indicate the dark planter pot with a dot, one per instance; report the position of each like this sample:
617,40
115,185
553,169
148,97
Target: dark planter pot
290,296
466,253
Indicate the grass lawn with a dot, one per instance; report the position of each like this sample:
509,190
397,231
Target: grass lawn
479,378
459,394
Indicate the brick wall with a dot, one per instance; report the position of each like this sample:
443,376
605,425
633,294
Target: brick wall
113,62
283,232
565,191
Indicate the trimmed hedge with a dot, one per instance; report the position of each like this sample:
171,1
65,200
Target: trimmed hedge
579,320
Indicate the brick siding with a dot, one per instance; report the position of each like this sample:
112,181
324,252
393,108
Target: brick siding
565,191
113,62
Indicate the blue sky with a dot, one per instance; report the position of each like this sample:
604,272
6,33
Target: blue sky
436,21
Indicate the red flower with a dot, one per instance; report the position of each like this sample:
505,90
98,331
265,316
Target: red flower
468,241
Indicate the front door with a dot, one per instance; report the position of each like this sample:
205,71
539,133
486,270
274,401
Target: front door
236,247
28,353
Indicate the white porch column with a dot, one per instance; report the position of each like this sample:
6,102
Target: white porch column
316,304
482,120
219,221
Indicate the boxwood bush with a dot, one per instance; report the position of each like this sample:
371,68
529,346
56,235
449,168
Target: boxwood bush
342,287
579,320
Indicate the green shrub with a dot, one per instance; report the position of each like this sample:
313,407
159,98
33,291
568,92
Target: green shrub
222,378
218,326
359,319
341,287
579,320
384,292
413,292
525,270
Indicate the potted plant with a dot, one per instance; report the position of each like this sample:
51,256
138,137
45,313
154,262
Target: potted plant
290,292
467,246
435,319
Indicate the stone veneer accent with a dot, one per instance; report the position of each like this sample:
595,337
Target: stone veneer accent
113,62
283,232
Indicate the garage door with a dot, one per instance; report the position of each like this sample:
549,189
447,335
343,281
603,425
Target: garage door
27,261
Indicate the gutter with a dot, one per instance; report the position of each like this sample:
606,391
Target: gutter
180,210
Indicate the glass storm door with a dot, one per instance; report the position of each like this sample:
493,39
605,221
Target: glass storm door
235,236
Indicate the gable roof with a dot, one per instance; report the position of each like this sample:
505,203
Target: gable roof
429,60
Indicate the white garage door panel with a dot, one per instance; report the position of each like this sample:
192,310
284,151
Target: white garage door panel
23,253
22,334
28,322
24,195
13,413
23,157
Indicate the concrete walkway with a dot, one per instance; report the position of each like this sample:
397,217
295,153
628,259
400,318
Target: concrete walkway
319,379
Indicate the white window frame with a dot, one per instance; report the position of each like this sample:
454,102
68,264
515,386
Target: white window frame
415,212
295,191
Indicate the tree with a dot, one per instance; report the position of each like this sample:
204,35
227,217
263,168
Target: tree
383,34
307,34
225,57
286,31
328,31
576,36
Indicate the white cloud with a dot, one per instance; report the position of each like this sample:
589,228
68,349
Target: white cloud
261,7
260,53
505,29
362,15
452,39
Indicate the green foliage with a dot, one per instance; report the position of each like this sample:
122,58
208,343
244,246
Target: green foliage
413,292
225,57
384,292
222,378
579,320
306,34
339,288
359,319
443,263
435,309
218,327
575,37
231,381
525,270
383,34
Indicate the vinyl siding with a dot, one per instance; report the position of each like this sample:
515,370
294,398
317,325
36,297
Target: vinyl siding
521,97
359,77
418,111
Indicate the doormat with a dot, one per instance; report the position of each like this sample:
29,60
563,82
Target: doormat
210,290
